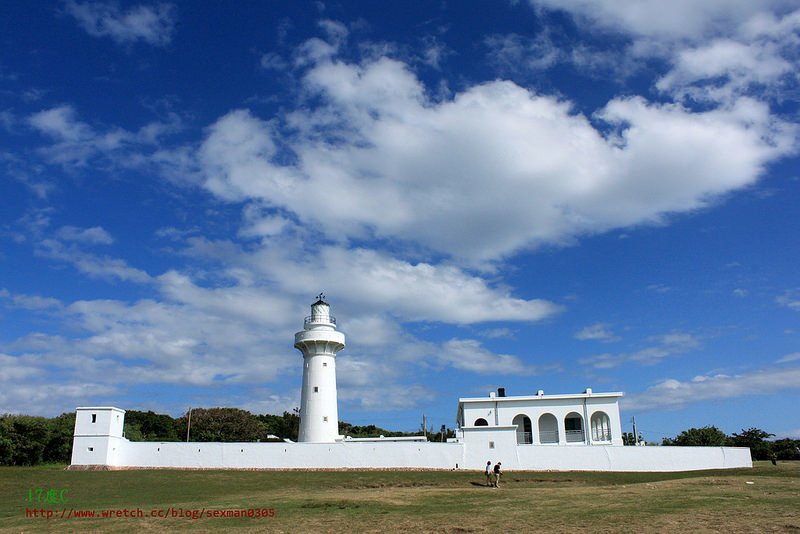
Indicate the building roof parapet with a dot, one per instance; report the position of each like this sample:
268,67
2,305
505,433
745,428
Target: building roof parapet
607,395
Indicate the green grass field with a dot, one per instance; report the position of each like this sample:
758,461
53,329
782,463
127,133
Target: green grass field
763,499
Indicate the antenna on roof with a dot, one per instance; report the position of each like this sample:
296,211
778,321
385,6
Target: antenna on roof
321,296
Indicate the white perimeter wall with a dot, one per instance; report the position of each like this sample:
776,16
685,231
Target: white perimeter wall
292,455
484,444
101,443
408,455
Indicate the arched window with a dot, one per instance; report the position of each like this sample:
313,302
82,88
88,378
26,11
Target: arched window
601,427
573,426
548,428
524,430
481,422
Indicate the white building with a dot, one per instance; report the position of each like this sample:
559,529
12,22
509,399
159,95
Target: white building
584,419
534,432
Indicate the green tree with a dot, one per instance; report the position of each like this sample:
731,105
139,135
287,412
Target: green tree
786,449
707,436
628,438
442,435
132,431
755,439
150,426
58,448
286,426
221,424
367,431
7,443
23,439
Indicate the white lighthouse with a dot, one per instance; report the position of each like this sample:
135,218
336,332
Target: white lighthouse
319,342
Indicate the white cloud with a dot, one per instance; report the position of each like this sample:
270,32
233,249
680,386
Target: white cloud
434,52
62,124
256,305
675,394
725,57
35,302
95,235
494,170
27,386
522,55
272,61
151,24
597,332
790,299
789,358
335,31
75,142
388,397
91,264
496,333
513,52
67,244
719,49
265,401
679,20
470,355
376,283
726,68
661,347
162,342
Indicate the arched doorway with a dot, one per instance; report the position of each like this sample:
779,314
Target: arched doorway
524,429
601,427
481,422
573,426
548,428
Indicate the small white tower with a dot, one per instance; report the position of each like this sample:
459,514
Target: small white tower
319,342
97,439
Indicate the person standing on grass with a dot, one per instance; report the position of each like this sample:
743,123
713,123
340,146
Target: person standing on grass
488,473
496,474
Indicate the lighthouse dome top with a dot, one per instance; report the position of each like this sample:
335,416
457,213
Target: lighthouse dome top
320,313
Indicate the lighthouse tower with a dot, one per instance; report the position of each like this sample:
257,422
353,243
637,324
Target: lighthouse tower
319,342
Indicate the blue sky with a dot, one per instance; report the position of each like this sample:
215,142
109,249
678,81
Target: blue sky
530,195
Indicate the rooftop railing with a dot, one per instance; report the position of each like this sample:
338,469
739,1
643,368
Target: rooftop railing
319,319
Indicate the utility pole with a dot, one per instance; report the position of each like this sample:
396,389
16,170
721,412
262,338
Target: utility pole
188,425
424,426
635,434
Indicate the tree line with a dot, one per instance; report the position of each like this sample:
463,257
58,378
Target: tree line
29,440
761,447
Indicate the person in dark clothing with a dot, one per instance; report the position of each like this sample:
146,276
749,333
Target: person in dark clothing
497,475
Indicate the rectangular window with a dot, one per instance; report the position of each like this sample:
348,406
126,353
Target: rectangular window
324,364
491,444
94,418
316,389
325,418
91,449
